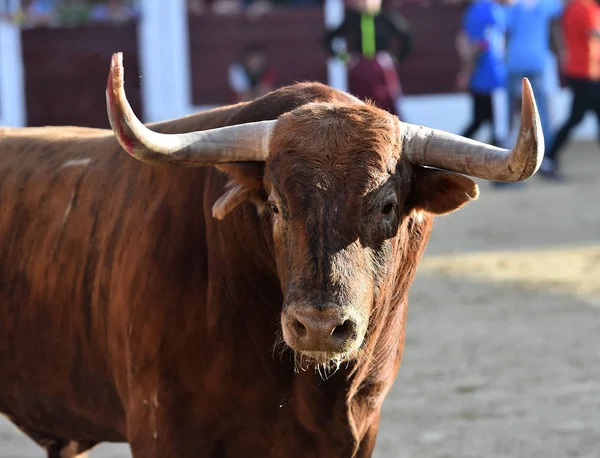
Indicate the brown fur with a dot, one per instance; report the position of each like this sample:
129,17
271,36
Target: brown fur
130,314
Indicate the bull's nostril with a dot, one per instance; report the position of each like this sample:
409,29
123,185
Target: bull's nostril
343,331
299,328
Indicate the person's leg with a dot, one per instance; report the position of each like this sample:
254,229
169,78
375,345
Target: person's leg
478,108
499,109
582,91
596,105
553,86
540,92
513,89
499,116
490,118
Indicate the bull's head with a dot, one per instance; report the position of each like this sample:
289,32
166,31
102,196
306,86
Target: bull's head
341,184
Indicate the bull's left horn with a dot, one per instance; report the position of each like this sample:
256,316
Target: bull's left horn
239,143
443,150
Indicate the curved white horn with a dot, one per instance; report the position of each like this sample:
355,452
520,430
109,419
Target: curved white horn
443,150
240,143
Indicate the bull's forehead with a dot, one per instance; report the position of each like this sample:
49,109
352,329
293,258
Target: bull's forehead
324,149
327,179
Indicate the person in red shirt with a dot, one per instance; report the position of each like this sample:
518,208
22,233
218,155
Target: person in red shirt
581,24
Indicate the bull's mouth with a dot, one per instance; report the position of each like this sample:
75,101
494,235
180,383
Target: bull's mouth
324,363
324,357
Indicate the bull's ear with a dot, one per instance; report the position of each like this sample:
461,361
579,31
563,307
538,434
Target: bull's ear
439,192
245,184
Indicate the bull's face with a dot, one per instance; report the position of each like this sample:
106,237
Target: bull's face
338,192
344,187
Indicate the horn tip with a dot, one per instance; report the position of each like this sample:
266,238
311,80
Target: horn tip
115,79
531,122
117,58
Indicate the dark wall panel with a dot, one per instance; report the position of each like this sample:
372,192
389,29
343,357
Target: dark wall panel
293,38
66,70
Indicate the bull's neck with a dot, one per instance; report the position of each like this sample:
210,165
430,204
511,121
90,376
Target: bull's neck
246,303
244,295
247,300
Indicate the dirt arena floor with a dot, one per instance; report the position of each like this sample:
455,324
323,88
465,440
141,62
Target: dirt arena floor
502,357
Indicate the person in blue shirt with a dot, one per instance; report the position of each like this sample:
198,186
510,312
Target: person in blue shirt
480,45
528,53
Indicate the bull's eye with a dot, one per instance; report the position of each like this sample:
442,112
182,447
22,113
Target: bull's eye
388,208
273,207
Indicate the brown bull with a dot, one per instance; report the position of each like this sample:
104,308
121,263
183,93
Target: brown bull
255,308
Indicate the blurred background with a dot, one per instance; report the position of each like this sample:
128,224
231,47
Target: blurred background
178,53
502,357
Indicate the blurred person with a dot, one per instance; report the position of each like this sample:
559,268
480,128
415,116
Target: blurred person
72,13
303,3
528,54
10,12
255,9
481,48
251,75
226,7
581,28
196,7
40,13
376,41
112,11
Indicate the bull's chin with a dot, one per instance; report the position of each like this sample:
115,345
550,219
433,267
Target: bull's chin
325,358
332,360
326,363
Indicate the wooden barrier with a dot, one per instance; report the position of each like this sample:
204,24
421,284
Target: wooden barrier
66,68
66,71
294,45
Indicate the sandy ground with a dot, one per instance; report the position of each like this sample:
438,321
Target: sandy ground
502,357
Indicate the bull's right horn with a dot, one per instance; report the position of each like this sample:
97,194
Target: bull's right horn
240,143
443,150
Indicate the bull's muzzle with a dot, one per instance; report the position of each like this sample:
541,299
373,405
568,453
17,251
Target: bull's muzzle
330,330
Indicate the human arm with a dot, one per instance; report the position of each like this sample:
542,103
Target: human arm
238,81
557,40
472,39
400,30
467,52
555,12
331,35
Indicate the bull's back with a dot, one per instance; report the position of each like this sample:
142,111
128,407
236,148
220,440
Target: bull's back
78,227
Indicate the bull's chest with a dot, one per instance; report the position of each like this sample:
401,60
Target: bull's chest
253,416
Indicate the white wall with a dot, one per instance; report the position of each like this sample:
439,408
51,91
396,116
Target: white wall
164,59
12,91
166,83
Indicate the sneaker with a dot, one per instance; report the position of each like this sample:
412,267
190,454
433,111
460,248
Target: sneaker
547,165
548,171
551,175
